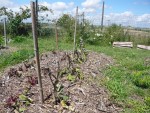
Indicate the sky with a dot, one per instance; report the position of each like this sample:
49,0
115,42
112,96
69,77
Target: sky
126,12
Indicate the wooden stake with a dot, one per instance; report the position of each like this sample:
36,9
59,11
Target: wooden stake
56,33
36,49
83,19
5,34
102,16
75,28
37,10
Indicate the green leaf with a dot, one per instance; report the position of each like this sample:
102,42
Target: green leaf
64,97
71,77
23,97
22,109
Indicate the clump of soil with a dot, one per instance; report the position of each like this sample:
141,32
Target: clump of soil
85,95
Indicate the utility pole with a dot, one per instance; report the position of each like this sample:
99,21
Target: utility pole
5,34
102,21
75,28
36,49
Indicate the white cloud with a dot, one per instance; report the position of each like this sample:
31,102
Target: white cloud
58,6
89,10
6,3
58,9
126,18
144,17
91,3
91,6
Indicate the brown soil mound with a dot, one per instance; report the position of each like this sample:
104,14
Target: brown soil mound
85,96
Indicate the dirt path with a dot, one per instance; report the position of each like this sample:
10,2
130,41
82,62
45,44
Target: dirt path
85,96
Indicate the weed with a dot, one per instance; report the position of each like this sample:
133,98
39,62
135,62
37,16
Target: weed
19,39
147,101
141,79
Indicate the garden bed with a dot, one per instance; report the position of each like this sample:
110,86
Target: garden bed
84,94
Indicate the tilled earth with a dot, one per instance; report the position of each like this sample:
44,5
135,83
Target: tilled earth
85,96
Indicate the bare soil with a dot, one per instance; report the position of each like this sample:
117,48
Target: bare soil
85,96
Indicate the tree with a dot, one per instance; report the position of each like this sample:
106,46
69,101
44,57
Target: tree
16,25
67,23
115,33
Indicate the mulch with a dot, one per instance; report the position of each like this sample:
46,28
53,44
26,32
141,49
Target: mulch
85,96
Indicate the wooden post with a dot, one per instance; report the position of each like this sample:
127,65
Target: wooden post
36,49
83,19
75,28
37,10
5,34
56,34
102,16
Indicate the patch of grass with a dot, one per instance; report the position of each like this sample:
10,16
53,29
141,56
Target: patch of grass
14,58
118,84
147,101
25,49
141,79
127,77
136,106
19,39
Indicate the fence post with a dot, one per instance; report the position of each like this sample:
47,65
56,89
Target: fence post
36,49
75,28
5,34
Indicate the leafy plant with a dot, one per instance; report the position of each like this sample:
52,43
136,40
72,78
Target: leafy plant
67,22
71,77
32,80
147,101
19,39
1,41
80,54
11,102
25,100
16,25
141,79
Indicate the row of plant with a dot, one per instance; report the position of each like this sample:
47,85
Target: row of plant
19,102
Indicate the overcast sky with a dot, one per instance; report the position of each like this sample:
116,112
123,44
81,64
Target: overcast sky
125,12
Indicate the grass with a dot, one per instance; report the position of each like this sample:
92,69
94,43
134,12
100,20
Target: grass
25,50
10,59
128,80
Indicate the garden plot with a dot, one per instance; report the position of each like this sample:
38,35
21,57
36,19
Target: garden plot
77,91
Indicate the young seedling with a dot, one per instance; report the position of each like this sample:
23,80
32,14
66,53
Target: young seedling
11,102
80,54
32,80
